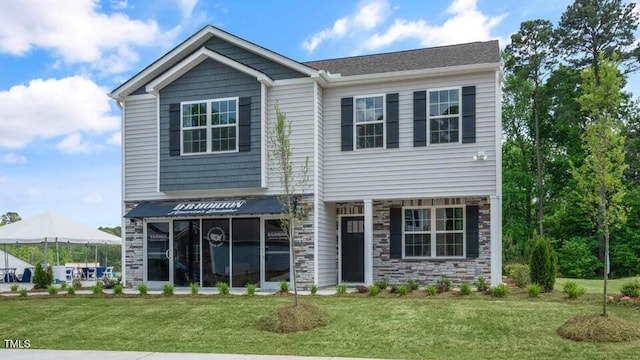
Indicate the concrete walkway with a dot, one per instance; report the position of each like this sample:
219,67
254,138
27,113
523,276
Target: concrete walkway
29,354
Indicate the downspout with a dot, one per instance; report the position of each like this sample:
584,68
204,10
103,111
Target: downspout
123,232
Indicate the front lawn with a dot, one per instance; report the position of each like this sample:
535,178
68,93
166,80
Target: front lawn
414,327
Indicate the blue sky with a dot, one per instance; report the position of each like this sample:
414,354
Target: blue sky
60,133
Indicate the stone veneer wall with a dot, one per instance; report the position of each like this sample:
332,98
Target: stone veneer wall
397,271
134,253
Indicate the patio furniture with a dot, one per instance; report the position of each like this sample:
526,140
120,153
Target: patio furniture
26,275
108,272
9,275
90,273
69,273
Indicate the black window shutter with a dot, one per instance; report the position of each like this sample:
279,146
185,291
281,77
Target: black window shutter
244,124
420,118
174,129
392,121
468,114
473,231
395,233
346,122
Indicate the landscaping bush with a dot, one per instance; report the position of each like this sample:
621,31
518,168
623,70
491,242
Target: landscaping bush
500,290
382,285
412,284
194,288
77,284
431,290
251,289
42,278
118,289
402,290
481,284
97,289
14,287
143,289
572,289
223,287
23,292
519,273
631,289
542,265
167,289
577,259
465,289
52,290
284,287
314,289
71,291
63,285
445,284
374,290
534,290
342,287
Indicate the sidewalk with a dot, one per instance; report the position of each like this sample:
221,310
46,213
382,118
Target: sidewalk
28,354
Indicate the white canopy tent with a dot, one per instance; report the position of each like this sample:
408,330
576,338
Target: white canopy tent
51,228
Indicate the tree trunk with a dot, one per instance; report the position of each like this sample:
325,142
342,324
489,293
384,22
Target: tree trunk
538,162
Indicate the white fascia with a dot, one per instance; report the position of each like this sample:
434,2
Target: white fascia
263,135
196,58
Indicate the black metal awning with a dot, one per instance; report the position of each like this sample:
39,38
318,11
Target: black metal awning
205,208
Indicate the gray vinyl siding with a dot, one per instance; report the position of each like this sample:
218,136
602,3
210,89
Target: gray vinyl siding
206,81
296,102
273,69
438,170
140,148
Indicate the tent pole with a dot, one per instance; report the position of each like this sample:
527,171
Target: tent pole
6,256
57,253
46,258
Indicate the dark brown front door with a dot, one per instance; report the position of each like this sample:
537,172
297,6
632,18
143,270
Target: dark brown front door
352,249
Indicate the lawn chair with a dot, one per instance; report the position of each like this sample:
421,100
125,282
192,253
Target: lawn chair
26,276
69,273
108,272
91,273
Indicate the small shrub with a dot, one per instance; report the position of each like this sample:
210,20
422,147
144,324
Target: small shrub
445,283
63,285
402,290
542,265
23,292
500,290
71,291
194,288
572,289
519,273
52,290
14,287
431,290
481,284
97,289
631,289
251,289
284,287
413,285
314,289
342,287
382,285
374,290
167,289
534,290
42,278
118,289
223,287
465,289
143,289
77,284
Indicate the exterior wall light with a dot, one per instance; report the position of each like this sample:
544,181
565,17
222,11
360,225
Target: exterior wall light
480,155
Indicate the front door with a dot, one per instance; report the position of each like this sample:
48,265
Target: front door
186,252
352,238
159,255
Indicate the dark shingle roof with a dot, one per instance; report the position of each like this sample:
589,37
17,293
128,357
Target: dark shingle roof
429,58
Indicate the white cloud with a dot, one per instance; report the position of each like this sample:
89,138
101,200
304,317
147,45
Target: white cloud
13,158
77,33
367,17
186,7
115,139
53,107
466,24
75,144
120,4
93,198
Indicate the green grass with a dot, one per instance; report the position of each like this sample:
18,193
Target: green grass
386,326
596,286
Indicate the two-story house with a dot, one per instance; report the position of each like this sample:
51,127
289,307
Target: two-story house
404,165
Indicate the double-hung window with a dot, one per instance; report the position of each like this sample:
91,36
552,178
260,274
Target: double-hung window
433,232
444,116
210,126
369,122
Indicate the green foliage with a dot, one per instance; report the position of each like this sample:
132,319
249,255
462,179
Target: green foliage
63,285
481,284
194,288
314,289
167,289
412,284
576,258
342,287
14,287
52,289
382,284
251,289
402,290
631,288
71,291
77,284
23,292
97,289
465,289
118,289
223,287
42,278
572,289
374,290
431,290
542,265
284,287
500,290
143,289
519,273
534,290
444,283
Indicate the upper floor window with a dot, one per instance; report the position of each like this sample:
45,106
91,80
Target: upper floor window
444,116
433,232
210,126
369,122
